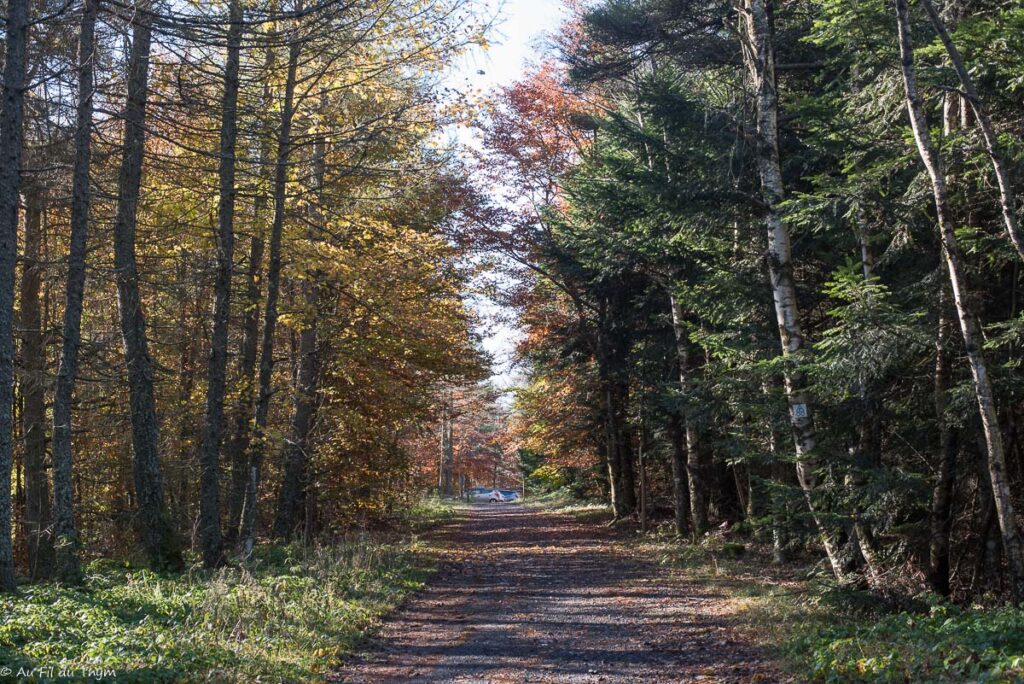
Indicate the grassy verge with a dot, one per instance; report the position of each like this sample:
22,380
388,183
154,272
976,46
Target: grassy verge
289,615
822,634
563,501
427,512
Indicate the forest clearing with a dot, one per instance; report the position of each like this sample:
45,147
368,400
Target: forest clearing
682,338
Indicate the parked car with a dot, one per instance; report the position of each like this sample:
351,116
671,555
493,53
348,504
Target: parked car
481,494
509,495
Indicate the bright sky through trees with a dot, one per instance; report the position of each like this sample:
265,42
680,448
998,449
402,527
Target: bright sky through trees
521,32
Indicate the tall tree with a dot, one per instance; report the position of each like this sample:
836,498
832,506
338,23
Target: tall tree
158,536
759,57
12,119
65,531
33,394
266,369
965,312
209,498
296,452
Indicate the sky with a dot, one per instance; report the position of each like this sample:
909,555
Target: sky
517,40
520,28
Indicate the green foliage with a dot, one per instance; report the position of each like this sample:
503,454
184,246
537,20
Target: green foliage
826,633
427,512
870,335
288,615
948,644
549,478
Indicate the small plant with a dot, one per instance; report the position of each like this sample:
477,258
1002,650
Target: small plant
288,615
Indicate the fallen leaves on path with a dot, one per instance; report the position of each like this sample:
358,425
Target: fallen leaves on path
531,596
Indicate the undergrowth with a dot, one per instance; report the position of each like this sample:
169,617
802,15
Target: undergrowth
823,633
290,614
563,500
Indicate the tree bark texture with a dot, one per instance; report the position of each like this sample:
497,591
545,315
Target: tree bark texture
760,58
266,368
33,395
965,311
12,119
158,536
213,426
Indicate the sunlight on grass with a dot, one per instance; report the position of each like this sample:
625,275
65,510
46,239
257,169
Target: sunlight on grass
288,615
823,633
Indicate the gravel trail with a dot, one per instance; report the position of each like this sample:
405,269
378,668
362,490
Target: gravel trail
532,596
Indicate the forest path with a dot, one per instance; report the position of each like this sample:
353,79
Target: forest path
533,596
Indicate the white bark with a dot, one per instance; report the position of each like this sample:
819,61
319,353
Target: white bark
965,313
760,60
1007,203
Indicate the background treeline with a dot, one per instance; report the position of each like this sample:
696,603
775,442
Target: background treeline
226,297
771,274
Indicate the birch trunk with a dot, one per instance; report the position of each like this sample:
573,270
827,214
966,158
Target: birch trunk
241,441
12,118
213,426
965,313
869,429
158,537
65,532
760,59
266,369
1007,201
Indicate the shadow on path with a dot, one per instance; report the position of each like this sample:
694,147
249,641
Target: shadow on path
531,596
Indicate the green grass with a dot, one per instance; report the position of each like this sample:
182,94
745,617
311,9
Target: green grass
289,615
820,633
946,644
564,501
427,513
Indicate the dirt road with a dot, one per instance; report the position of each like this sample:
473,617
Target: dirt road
529,596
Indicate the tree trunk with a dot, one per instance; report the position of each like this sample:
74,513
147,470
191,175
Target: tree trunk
1007,201
33,394
296,455
680,485
209,453
623,502
444,472
612,462
12,117
760,58
158,536
868,451
296,451
941,518
624,445
965,313
695,471
642,463
239,442
65,532
266,370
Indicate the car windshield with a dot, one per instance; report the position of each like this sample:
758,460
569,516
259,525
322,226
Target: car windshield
508,492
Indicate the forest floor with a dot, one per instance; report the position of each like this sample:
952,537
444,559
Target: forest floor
527,595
